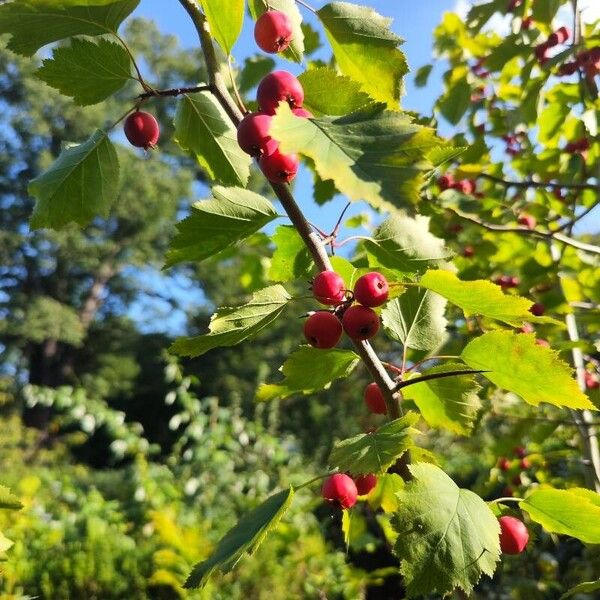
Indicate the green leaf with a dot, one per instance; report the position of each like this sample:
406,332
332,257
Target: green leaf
318,97
309,370
516,363
246,536
552,120
231,325
447,536
366,49
255,68
291,259
454,104
372,154
375,452
404,244
5,544
574,512
295,51
481,297
422,75
32,25
8,500
544,12
450,403
225,19
385,494
583,588
81,183
416,319
216,224
203,128
86,71
505,52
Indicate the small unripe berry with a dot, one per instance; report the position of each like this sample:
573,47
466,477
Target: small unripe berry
371,289
278,167
322,330
365,483
253,134
513,535
329,288
360,322
374,399
142,130
340,489
273,31
537,309
276,87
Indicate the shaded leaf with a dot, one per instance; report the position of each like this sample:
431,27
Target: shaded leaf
455,102
8,500
422,75
81,183
384,495
225,19
583,588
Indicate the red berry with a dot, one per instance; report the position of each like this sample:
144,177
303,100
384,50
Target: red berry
371,289
466,186
527,23
563,34
276,87
591,381
544,343
553,40
525,464
446,181
537,309
516,480
513,535
515,281
253,134
374,399
273,31
360,322
322,329
141,129
568,69
541,53
527,328
340,489
520,452
302,112
329,288
468,251
503,463
527,221
365,483
278,167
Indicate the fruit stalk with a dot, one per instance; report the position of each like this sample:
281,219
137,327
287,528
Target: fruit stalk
293,211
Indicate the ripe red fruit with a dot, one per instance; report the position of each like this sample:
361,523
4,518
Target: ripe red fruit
541,342
302,112
466,186
506,281
278,167
525,464
519,451
527,23
340,489
365,483
276,87
468,251
563,34
445,181
537,309
568,68
591,381
541,53
329,288
142,130
513,535
527,221
360,322
371,289
253,134
503,463
322,329
273,31
374,400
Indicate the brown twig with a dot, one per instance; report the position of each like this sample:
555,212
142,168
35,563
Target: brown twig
175,91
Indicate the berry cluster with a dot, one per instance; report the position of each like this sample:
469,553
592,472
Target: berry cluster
588,60
513,143
560,36
323,329
580,146
514,472
464,186
342,490
507,281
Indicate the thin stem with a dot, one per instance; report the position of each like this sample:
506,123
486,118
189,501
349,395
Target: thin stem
391,367
140,78
311,481
134,107
339,221
351,239
439,357
175,91
537,184
578,218
402,384
307,6
235,88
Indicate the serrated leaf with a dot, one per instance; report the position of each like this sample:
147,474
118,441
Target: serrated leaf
86,71
8,500
372,154
203,128
246,536
255,68
309,370
516,363
5,544
291,259
583,588
422,75
481,297
375,452
455,102
416,319
81,184
295,52
318,97
447,536
404,244
384,495
32,25
216,224
574,512
231,325
366,49
225,19
450,403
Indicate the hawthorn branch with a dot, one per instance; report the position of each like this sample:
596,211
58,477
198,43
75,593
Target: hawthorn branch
175,91
310,238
